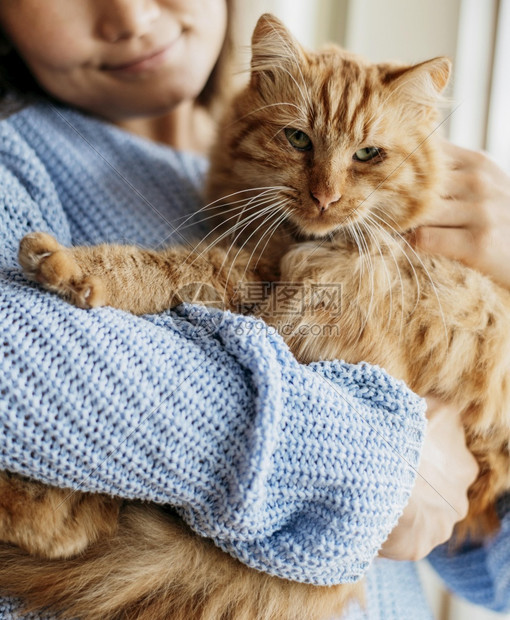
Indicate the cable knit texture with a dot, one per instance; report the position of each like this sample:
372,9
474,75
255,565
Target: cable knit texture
301,471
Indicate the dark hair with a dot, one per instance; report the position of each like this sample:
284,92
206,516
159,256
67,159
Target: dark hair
18,88
215,90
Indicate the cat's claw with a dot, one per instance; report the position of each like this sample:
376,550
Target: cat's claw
33,249
46,261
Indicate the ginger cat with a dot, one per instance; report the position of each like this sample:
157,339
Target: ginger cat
326,161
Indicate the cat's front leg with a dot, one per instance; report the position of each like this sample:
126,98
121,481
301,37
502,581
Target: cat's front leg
131,278
49,263
121,276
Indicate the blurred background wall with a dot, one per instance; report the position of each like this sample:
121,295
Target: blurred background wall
475,34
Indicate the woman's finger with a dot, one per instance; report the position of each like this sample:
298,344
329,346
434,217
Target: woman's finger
459,158
462,184
451,213
454,243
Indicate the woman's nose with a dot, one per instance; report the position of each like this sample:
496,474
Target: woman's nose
125,19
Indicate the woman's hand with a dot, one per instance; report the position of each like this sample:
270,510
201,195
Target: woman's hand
472,221
439,497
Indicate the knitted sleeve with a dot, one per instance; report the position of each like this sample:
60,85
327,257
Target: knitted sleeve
480,573
301,471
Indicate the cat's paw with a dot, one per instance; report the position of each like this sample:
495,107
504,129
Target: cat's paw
46,261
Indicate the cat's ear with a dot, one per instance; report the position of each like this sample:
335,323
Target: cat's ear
274,49
420,84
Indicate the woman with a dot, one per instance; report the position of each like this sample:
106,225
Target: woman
160,407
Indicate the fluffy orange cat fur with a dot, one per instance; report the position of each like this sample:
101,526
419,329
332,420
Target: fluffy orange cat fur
347,158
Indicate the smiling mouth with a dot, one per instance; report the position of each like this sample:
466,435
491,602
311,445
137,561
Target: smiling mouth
150,61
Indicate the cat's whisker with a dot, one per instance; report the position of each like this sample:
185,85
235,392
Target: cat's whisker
362,248
361,271
270,232
191,214
351,226
235,210
253,199
306,101
216,239
402,290
286,213
366,225
274,207
243,224
248,205
265,107
372,282
250,218
274,196
215,203
403,249
239,228
264,67
292,54
382,221
410,262
389,245
434,288
362,254
353,230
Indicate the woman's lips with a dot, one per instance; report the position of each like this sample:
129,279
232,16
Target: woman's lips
142,64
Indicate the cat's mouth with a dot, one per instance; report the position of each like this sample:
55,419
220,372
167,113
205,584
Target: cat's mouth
310,221
314,223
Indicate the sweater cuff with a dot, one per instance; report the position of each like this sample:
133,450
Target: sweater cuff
393,411
341,475
361,452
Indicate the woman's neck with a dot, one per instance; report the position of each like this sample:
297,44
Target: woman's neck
187,127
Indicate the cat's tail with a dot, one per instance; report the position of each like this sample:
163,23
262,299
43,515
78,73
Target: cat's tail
155,568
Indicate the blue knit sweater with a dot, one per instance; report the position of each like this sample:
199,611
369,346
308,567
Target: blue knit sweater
300,471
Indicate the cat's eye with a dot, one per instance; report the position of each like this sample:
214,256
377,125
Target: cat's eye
367,154
298,139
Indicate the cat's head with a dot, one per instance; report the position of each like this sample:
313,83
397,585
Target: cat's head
343,139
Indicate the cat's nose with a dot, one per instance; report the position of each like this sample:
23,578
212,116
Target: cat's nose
324,200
